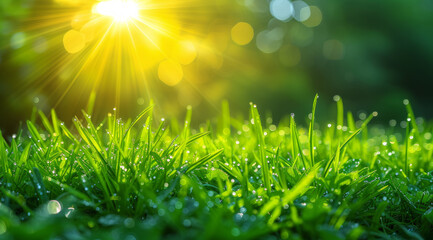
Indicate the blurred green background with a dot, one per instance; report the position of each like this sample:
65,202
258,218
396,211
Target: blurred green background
373,54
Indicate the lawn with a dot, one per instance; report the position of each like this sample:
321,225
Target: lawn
228,178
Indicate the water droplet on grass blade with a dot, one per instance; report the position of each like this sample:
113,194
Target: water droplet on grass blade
54,207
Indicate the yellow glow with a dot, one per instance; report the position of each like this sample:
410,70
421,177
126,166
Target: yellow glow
74,41
89,31
186,52
70,2
170,72
125,50
120,10
242,33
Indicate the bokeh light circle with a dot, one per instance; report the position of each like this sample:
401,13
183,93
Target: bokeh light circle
301,11
315,17
269,41
74,41
281,9
170,72
242,33
186,52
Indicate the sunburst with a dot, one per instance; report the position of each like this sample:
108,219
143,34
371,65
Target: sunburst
114,50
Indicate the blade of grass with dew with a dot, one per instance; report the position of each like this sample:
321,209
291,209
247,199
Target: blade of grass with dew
22,161
378,213
231,171
16,199
36,136
46,122
296,144
177,157
311,130
89,139
412,118
340,118
281,174
157,137
293,193
195,137
93,133
340,148
39,185
350,121
203,161
4,158
302,185
406,150
330,162
257,125
91,102
187,123
146,110
178,154
69,189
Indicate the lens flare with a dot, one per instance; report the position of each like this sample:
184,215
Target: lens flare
101,54
118,42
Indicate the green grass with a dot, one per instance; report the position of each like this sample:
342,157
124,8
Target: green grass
232,178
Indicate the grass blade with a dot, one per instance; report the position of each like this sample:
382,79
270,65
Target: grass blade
311,130
203,160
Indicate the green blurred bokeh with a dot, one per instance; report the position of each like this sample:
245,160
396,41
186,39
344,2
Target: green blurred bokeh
373,54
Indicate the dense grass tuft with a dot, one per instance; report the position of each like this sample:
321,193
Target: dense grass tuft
236,178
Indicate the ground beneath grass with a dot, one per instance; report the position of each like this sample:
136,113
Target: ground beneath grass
228,179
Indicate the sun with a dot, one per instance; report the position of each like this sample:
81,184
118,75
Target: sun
123,51
115,46
119,10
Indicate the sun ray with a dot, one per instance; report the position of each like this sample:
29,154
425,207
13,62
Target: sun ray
88,60
150,39
113,51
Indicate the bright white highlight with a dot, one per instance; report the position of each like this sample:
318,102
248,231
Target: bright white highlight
281,9
301,11
120,10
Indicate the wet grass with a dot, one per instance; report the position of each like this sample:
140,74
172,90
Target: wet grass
233,178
